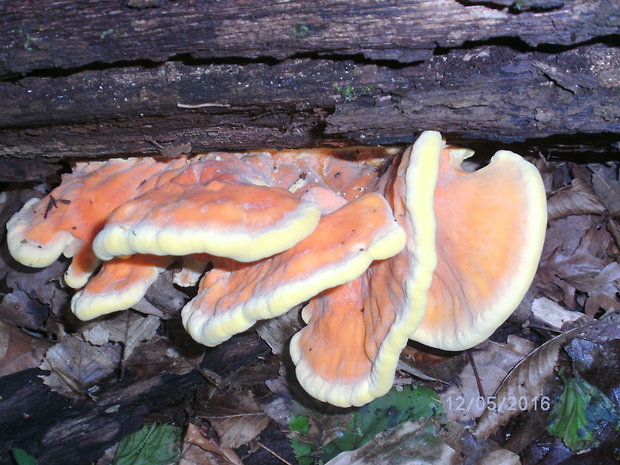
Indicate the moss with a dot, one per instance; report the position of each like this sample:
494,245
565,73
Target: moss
349,92
300,30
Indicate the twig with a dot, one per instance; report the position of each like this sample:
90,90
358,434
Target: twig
473,367
273,453
202,105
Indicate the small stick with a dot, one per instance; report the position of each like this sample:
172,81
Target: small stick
202,105
473,367
273,453
51,204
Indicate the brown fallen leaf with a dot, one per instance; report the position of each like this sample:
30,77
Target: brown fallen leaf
553,314
525,381
562,263
128,328
576,199
33,292
76,366
606,184
236,418
18,350
502,457
162,299
602,288
278,331
463,401
200,448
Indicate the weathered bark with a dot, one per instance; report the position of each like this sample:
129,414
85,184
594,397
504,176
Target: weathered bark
107,79
69,34
57,430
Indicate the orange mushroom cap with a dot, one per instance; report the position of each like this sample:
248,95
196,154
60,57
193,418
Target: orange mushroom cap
233,296
490,231
379,310
66,220
215,206
458,278
119,284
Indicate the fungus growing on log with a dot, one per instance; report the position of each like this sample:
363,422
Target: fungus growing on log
233,296
460,275
67,220
384,252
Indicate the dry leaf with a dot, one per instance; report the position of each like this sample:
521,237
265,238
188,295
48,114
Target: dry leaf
411,443
502,457
525,381
576,199
554,270
464,402
162,299
601,287
128,328
199,448
19,351
33,292
607,186
278,331
236,418
76,365
552,313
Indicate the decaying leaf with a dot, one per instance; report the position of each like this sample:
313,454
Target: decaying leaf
606,184
278,331
602,288
162,299
76,366
411,443
525,381
502,457
559,267
576,199
464,402
200,448
19,351
128,328
236,418
553,314
33,292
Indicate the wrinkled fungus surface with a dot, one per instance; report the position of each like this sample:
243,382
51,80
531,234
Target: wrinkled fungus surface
384,246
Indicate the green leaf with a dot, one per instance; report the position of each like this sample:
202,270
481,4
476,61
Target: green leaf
581,411
152,445
22,458
302,451
299,424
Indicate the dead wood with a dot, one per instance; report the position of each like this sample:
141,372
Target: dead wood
150,77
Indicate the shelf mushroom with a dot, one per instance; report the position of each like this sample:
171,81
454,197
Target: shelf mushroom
67,220
459,276
384,252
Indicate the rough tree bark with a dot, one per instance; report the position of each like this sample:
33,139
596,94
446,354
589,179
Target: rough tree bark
107,78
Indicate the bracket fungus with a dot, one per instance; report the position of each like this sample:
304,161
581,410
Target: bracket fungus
384,248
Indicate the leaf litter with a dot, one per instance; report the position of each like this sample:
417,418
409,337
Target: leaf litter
577,283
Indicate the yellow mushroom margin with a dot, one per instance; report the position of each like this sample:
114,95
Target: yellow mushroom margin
232,298
491,227
393,293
